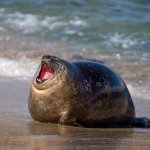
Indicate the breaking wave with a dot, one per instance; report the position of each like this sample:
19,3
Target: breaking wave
29,23
23,67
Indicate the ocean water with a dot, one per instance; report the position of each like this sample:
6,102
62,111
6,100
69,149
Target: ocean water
108,25
115,31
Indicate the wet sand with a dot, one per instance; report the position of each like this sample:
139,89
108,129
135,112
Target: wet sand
19,131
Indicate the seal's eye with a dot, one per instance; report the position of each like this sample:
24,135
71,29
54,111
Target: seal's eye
46,72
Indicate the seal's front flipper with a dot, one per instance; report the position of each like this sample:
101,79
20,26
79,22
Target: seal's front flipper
142,122
67,119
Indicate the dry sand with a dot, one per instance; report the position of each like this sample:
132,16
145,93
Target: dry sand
19,131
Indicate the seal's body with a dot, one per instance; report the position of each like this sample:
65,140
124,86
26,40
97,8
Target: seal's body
79,93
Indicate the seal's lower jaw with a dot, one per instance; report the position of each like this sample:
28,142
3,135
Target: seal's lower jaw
45,73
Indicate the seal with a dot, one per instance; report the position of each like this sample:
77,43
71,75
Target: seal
81,93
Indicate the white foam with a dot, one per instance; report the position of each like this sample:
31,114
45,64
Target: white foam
139,90
27,22
23,67
121,40
30,23
76,21
2,10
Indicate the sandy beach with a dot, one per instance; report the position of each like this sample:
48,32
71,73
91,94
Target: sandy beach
19,131
114,32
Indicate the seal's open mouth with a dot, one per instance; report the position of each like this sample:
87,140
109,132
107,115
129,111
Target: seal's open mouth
46,72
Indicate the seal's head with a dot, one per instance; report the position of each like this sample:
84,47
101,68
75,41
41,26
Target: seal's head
46,99
49,71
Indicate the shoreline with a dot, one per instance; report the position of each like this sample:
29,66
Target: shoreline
135,73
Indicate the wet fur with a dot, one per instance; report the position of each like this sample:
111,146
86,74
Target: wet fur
83,93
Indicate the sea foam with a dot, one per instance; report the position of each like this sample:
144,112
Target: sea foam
30,23
23,67
121,40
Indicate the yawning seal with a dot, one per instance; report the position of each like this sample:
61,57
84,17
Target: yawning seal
81,93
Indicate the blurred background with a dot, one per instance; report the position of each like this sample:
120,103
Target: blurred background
115,32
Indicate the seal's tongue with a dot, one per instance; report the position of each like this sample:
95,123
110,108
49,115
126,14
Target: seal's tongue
46,72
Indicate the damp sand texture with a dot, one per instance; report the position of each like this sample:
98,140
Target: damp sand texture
19,131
